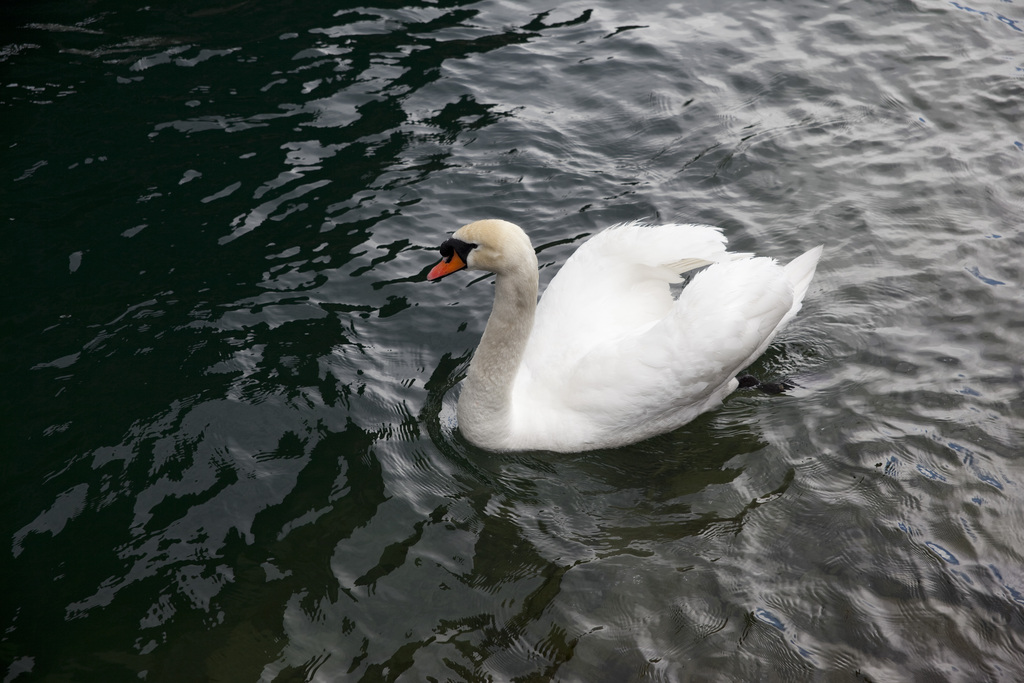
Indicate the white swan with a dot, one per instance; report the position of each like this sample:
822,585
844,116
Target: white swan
608,357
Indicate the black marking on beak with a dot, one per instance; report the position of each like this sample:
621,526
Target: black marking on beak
456,246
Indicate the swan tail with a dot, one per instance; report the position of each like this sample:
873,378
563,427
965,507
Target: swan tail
799,273
800,270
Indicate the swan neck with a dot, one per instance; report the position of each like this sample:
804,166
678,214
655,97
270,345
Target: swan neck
485,406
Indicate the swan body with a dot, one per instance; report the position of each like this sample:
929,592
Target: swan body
608,357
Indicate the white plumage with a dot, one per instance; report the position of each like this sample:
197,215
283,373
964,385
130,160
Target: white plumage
608,357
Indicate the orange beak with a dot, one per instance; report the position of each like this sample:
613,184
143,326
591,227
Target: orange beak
446,267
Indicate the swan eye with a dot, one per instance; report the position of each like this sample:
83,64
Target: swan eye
452,246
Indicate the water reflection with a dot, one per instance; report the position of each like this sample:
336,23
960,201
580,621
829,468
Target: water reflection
508,545
229,397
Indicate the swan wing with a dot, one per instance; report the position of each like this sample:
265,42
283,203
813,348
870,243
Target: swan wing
663,375
616,283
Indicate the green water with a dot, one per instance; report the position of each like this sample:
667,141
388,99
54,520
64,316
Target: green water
227,418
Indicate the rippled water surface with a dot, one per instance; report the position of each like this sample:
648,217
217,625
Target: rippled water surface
229,449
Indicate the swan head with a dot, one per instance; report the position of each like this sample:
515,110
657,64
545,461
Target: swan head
495,246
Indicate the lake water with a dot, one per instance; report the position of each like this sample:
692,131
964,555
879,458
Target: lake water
227,418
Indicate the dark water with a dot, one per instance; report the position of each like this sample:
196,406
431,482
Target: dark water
227,408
